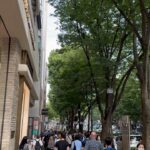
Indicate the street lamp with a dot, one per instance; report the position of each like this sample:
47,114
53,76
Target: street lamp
110,96
109,91
109,102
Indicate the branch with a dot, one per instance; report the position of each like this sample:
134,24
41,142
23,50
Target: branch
123,38
121,86
145,22
85,49
114,39
87,111
129,22
136,57
143,9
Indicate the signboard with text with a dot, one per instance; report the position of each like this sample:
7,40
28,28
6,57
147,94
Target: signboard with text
45,111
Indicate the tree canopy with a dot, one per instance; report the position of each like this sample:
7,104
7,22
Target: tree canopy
114,37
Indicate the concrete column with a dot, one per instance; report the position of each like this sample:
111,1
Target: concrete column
9,91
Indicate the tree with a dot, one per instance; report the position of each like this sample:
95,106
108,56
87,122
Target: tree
101,32
137,14
51,112
68,75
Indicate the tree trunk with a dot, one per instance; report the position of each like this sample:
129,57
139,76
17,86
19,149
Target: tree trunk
88,118
107,119
145,101
72,119
142,65
106,126
144,75
146,118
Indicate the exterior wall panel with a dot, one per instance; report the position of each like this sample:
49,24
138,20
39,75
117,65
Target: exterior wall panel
9,123
15,122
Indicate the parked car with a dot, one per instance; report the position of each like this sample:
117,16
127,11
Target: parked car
134,140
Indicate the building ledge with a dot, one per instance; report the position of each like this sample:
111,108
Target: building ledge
23,70
13,12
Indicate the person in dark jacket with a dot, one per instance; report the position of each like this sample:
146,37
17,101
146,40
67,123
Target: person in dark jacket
23,142
62,144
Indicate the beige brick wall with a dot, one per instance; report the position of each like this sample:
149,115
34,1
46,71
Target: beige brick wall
12,91
4,50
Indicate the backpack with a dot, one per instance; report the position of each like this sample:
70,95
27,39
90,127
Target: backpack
74,147
84,142
37,145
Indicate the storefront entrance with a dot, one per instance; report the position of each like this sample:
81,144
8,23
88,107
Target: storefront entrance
24,111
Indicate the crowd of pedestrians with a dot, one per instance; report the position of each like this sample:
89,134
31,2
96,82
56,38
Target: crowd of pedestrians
76,141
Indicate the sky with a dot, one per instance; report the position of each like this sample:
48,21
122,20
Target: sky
51,36
52,32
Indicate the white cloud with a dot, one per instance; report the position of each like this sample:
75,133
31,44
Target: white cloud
51,32
51,36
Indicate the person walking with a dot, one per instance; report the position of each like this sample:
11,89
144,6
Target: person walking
93,144
37,143
109,143
119,143
140,146
23,142
51,143
76,144
62,144
69,139
28,145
